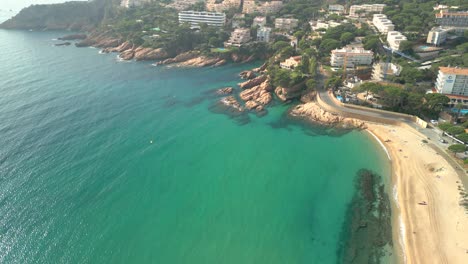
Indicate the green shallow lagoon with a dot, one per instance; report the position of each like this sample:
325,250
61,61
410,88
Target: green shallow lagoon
81,182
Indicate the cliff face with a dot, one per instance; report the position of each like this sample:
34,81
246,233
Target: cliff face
69,16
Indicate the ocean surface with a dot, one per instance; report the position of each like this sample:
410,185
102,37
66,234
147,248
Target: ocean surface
103,161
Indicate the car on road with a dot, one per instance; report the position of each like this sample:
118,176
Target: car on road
434,122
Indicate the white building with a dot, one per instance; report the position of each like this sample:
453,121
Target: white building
286,24
452,81
352,56
263,34
437,36
238,37
196,18
394,39
379,69
336,9
132,3
356,10
382,23
319,24
259,21
251,6
291,63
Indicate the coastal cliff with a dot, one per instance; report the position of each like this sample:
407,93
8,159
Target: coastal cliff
74,15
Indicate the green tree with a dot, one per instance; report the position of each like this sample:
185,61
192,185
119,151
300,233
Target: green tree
406,46
457,148
329,44
311,84
456,130
445,126
436,101
346,37
463,137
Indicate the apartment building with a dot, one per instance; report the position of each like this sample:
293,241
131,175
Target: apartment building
452,81
382,69
394,39
357,10
263,34
437,36
223,5
382,23
447,18
238,37
351,56
336,9
286,24
196,18
182,4
251,6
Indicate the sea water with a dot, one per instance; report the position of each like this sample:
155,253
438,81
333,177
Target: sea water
104,161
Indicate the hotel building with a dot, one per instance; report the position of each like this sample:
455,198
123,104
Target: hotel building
263,34
394,39
251,6
452,19
382,23
352,56
437,36
452,81
238,37
286,24
355,10
196,18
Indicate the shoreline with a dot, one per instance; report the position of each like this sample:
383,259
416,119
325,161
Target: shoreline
425,233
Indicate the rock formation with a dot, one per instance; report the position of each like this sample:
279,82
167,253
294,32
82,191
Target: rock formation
231,102
312,112
258,96
63,44
286,94
224,91
247,75
203,61
180,58
254,82
150,54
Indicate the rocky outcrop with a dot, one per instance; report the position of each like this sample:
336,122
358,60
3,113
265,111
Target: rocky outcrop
314,113
150,54
261,69
73,37
247,75
203,61
257,97
286,94
62,44
180,58
254,82
225,91
127,54
121,48
231,102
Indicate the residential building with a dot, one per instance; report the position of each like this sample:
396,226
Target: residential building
320,24
238,20
437,36
196,18
351,56
286,24
394,39
182,4
382,23
238,37
452,81
259,21
357,10
452,19
291,63
132,3
223,5
251,6
263,34
336,9
382,69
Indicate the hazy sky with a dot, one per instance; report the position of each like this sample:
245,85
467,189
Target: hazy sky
17,5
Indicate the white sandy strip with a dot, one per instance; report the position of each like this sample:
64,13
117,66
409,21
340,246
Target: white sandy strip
381,144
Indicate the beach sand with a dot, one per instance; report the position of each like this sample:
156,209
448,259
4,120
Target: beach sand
436,232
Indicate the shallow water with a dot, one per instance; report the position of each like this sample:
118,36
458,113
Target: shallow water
81,182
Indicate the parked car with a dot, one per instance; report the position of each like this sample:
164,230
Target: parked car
434,122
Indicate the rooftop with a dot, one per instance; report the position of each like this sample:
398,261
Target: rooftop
457,71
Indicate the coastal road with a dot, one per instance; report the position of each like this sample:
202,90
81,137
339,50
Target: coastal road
433,134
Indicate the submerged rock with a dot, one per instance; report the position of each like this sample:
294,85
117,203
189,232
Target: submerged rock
247,75
73,37
62,44
225,91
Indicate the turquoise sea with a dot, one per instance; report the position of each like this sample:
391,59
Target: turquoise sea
81,182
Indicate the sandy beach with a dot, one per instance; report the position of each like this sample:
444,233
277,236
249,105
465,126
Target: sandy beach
430,225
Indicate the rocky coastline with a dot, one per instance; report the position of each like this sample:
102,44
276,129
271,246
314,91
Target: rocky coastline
313,113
